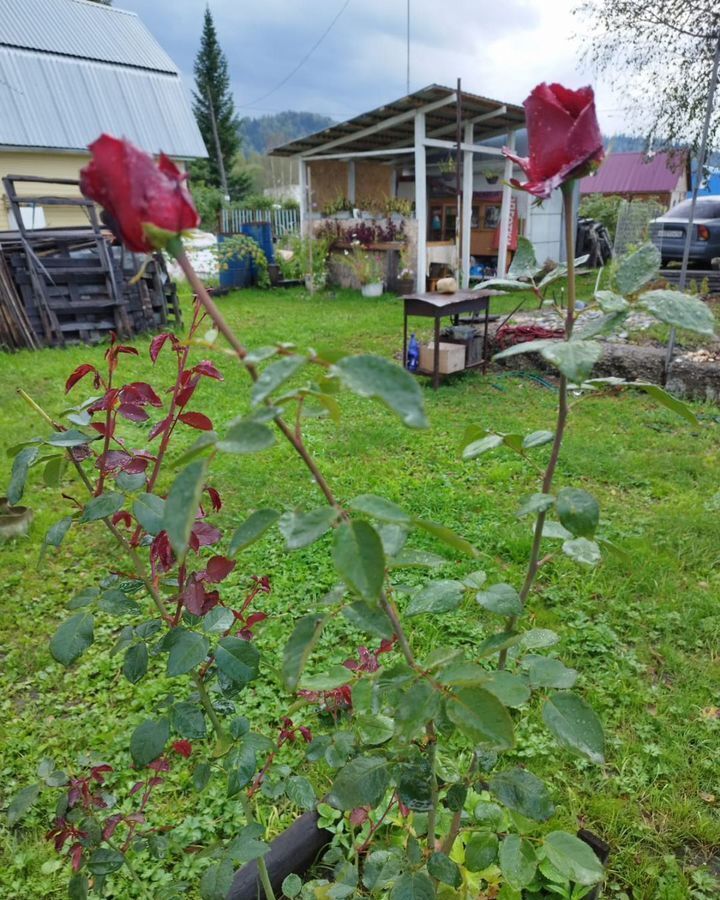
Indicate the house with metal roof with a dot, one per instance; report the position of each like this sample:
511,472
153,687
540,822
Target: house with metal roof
70,70
439,149
663,177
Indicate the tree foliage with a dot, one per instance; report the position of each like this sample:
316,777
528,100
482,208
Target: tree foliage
667,50
213,97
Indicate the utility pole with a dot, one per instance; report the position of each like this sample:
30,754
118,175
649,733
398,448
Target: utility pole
407,42
218,151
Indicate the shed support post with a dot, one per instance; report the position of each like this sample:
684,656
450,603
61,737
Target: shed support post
467,198
351,181
302,166
505,210
420,201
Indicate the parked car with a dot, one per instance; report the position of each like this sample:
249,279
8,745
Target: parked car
669,230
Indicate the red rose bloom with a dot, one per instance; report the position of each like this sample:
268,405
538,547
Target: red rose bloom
563,136
145,203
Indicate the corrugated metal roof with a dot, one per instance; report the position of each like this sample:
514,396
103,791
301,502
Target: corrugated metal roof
65,103
440,119
81,29
635,173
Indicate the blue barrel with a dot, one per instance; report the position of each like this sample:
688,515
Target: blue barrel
261,233
238,273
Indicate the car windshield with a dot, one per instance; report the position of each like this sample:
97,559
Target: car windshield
704,209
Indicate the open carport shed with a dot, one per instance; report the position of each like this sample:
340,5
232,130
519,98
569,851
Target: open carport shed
401,134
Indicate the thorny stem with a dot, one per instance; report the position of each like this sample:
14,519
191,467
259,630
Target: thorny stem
262,866
457,817
562,414
241,352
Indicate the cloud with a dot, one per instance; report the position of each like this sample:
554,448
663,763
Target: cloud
499,49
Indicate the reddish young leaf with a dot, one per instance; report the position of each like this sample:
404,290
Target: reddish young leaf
219,568
124,517
255,618
183,747
196,420
157,343
133,412
122,348
112,461
158,427
161,764
161,554
110,826
359,816
141,393
105,402
138,463
76,852
197,600
99,427
214,498
185,395
204,535
81,372
138,786
206,368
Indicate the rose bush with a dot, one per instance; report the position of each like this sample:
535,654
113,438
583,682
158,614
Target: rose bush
563,135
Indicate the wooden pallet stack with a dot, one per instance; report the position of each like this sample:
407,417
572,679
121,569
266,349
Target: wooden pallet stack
60,285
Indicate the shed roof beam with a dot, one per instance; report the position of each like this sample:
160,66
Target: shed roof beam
384,124
471,148
447,129
359,154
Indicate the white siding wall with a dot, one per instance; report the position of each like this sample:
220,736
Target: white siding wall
545,228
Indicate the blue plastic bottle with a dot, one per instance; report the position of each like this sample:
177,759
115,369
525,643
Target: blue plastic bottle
413,354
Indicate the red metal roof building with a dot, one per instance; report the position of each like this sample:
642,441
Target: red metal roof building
639,176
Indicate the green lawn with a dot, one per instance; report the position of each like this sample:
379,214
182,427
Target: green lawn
643,633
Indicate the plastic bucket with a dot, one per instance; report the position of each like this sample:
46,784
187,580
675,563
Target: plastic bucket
261,233
238,272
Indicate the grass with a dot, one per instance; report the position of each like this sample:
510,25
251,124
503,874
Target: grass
643,633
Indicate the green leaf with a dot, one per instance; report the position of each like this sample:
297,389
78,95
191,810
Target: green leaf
573,858
379,508
591,328
56,534
116,603
300,792
436,597
381,870
148,741
300,645
135,663
524,263
359,558
475,580
247,436
104,861
302,529
555,531
637,269
373,376
21,803
20,468
611,302
240,764
252,528
130,483
681,310
335,677
370,619
502,599
518,861
481,716
527,347
578,511
522,792
413,886
181,506
511,690
664,399
447,536
219,619
442,868
238,663
72,638
291,886
538,638
187,649
497,642
189,721
204,440
481,851
274,375
414,559
477,448
548,672
583,551
149,509
374,729
536,503
575,725
101,507
78,886
362,782
70,438
574,358
538,439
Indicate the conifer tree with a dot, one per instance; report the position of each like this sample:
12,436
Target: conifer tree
215,113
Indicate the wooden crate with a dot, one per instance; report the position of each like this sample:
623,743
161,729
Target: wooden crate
452,358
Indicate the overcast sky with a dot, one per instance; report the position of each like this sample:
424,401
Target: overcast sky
500,49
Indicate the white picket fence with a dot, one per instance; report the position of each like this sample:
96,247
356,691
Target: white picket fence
283,221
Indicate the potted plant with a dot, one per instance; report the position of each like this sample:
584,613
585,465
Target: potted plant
398,209
368,269
339,208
